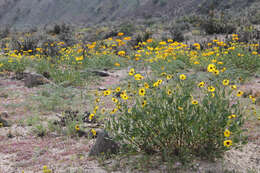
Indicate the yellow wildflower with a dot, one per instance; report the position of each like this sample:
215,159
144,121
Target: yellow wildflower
225,82
142,91
227,133
182,76
227,143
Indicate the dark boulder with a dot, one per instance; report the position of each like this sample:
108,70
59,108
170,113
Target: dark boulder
104,144
33,80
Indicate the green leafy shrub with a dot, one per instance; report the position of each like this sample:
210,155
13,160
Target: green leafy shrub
178,117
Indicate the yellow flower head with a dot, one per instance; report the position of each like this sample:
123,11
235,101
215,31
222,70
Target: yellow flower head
233,87
97,100
124,96
211,68
142,91
113,111
149,40
159,82
225,82
182,77
121,53
223,69
180,108
168,77
194,102
239,93
216,72
227,143
144,103
132,72
91,117
155,84
118,89
201,84
253,99
103,110
232,116
107,92
127,38
227,133
146,85
211,89
117,64
114,100
93,131
169,92
138,77
163,74
120,34
77,127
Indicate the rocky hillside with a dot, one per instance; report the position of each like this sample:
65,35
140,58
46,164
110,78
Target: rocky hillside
26,13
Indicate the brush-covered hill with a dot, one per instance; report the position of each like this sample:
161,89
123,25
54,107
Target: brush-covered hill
27,13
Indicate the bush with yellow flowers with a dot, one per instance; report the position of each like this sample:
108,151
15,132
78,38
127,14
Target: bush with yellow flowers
176,116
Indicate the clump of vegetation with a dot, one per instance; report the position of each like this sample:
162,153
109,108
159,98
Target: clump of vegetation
166,116
217,25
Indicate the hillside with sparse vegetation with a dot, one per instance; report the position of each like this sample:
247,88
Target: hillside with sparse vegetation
31,13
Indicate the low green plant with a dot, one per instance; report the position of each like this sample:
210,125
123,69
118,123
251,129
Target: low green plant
178,117
32,120
39,130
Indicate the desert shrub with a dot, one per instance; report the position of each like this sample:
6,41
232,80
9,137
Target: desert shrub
142,37
255,19
27,44
216,26
177,34
50,47
127,28
177,117
64,33
110,34
59,28
249,34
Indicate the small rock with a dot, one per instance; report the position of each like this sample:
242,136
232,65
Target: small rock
4,114
102,89
100,73
33,80
104,144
